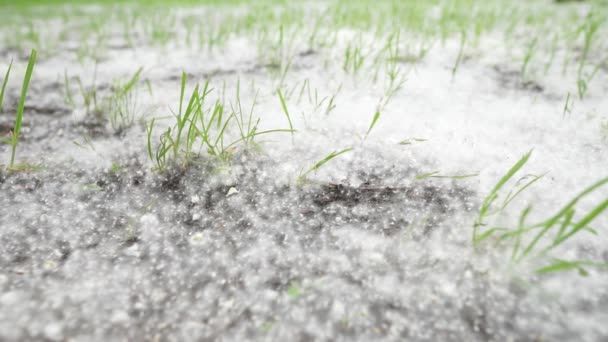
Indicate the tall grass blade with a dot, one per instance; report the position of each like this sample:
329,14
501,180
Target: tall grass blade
373,123
284,105
435,174
4,83
21,107
323,161
149,128
565,265
133,81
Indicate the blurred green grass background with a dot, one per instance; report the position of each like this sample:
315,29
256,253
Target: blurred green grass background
26,3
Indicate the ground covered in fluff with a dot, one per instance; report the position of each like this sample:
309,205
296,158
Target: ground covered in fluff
339,195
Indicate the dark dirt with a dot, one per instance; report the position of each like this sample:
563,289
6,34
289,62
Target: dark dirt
511,79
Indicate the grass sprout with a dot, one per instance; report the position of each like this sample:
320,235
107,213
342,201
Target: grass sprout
394,73
247,124
530,49
559,265
4,83
14,140
568,106
463,40
411,141
121,104
68,97
284,106
589,31
118,106
86,143
353,58
277,52
88,95
202,122
437,174
303,178
372,124
172,139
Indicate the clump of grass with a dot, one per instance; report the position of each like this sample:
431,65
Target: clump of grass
86,143
353,57
172,139
277,54
327,102
121,103
204,123
160,29
119,106
485,210
88,95
248,125
589,30
539,239
15,133
394,73
584,80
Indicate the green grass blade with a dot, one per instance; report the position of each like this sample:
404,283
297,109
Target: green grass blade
255,134
512,171
132,81
520,229
489,233
69,99
220,135
463,39
471,175
284,105
567,220
21,107
330,157
426,175
149,129
323,161
4,83
411,141
373,123
565,265
558,266
181,93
